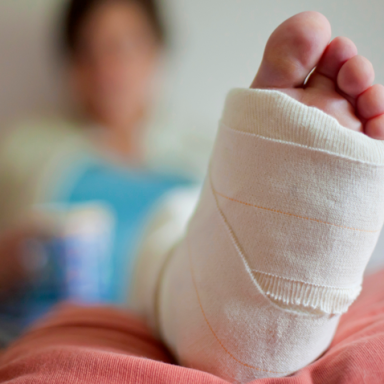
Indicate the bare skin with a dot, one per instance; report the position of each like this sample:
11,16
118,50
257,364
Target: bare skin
340,85
112,74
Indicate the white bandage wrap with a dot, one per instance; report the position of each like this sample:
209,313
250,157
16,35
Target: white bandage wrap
288,218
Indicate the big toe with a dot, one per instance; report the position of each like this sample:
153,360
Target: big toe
293,50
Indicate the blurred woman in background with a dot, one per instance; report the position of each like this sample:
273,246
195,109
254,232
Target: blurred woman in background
113,50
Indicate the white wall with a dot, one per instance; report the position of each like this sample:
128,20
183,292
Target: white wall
219,44
29,82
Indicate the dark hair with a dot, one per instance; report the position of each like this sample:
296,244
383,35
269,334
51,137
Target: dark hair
77,11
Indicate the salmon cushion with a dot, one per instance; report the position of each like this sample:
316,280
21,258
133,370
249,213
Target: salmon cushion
107,346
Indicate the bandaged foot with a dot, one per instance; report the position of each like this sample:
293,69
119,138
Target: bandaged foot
288,217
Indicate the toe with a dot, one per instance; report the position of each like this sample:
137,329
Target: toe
375,127
371,103
355,76
370,107
339,51
293,50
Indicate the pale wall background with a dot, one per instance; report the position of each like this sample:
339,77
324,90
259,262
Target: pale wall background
218,45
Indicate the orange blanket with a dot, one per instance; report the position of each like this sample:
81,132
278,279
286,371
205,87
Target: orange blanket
103,345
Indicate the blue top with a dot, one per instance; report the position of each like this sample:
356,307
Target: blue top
131,195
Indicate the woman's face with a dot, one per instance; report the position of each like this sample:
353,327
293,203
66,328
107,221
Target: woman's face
115,62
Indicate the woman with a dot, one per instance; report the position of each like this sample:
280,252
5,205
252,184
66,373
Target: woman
114,49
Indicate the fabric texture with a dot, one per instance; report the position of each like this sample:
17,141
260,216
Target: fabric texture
288,218
107,346
167,226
